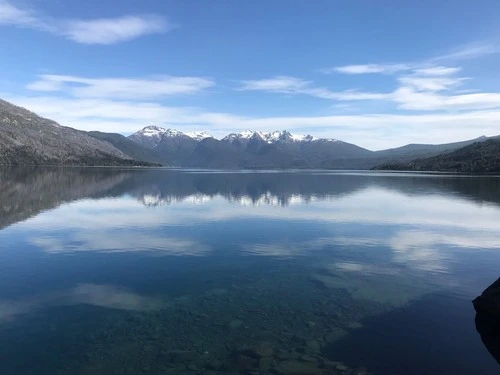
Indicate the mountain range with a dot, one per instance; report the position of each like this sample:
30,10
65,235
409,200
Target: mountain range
28,139
278,149
248,149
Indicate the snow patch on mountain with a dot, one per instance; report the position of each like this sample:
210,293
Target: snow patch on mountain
152,131
271,137
277,136
198,136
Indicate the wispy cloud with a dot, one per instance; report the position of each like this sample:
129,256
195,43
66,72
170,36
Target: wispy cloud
12,15
426,66
113,30
430,83
94,31
367,69
284,84
438,70
121,88
297,86
470,51
410,99
419,87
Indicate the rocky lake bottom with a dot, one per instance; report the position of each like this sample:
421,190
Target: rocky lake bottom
204,273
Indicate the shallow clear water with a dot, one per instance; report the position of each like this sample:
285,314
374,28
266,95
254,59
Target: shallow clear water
108,271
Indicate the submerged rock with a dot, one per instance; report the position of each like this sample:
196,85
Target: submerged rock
487,307
298,368
235,324
335,335
265,363
313,346
176,356
354,325
489,300
264,349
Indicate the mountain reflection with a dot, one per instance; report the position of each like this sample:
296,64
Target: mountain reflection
25,192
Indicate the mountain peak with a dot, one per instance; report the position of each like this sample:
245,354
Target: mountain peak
198,136
271,137
152,131
173,133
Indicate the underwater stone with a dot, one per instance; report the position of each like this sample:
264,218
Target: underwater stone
235,324
335,335
298,368
313,346
181,356
354,325
311,324
265,363
264,349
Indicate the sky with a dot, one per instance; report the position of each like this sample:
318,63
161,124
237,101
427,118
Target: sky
377,74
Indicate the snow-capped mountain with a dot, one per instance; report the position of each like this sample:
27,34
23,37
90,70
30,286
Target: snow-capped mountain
270,138
198,136
149,137
247,149
152,136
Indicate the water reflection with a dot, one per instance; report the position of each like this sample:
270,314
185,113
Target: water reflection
25,192
297,265
108,296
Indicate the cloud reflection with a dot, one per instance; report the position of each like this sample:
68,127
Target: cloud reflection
101,241
107,296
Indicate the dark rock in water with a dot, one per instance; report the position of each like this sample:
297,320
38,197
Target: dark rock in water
265,363
298,368
487,307
313,346
264,349
489,301
240,362
215,364
177,356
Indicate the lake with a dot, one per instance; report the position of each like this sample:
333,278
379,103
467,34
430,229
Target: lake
154,271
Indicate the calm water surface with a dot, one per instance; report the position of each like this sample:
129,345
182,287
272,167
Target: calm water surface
107,271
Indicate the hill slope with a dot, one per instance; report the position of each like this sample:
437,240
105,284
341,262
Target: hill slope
28,139
479,157
129,147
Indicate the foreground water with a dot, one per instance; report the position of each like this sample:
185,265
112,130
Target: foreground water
106,271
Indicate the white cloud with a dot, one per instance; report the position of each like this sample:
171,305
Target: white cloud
367,69
438,70
421,87
12,15
113,30
471,51
409,98
430,83
121,88
297,86
284,84
93,31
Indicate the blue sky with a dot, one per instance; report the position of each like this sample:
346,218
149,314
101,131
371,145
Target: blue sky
375,75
